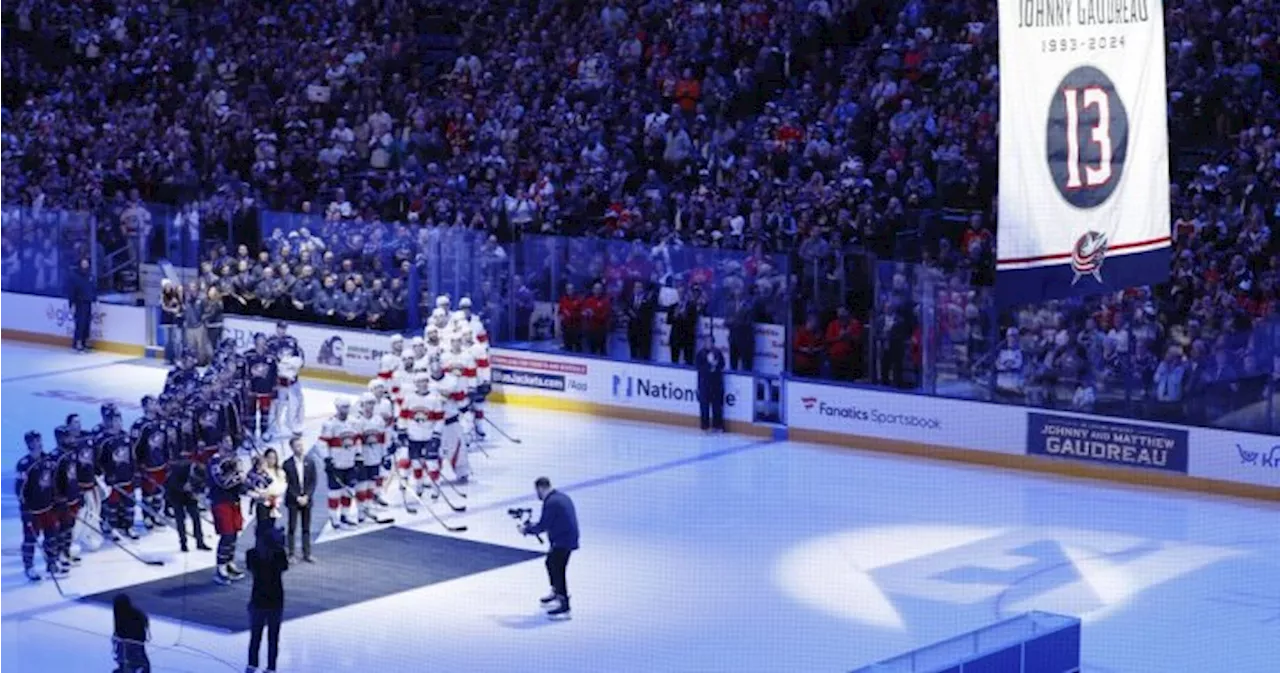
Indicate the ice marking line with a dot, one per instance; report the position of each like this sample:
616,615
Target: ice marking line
622,476
71,370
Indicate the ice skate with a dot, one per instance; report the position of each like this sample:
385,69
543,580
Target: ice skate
234,572
70,558
56,570
222,576
548,600
562,610
33,574
347,523
131,534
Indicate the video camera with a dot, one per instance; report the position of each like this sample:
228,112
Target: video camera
522,515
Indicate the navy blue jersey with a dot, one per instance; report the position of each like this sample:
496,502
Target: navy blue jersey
180,378
211,423
115,459
277,344
226,480
150,442
86,451
67,483
262,372
36,483
188,435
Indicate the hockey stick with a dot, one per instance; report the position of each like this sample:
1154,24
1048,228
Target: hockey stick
447,501
442,522
121,545
513,440
146,509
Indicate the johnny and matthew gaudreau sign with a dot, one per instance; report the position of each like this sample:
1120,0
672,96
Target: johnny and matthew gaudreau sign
1097,440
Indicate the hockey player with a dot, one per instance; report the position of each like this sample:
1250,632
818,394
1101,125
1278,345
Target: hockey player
68,498
211,426
288,407
182,375
387,366
469,317
226,485
454,437
338,443
435,348
88,468
282,340
440,320
118,469
479,349
396,347
149,438
418,348
422,423
385,411
372,450
34,486
261,369
402,379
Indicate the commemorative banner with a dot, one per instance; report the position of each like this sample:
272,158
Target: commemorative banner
1108,442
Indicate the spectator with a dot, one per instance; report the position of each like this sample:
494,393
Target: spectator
597,313
131,633
683,319
711,365
640,314
571,319
267,563
1010,365
741,324
843,342
193,330
806,359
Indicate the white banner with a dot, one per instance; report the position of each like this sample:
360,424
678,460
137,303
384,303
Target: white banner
1082,91
932,421
331,349
53,316
623,384
1241,457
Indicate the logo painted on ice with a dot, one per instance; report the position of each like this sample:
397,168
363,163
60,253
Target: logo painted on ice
1258,458
1087,256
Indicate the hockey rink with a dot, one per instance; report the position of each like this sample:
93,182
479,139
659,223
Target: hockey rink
699,553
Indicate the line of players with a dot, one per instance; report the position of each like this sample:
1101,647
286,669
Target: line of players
420,413
88,488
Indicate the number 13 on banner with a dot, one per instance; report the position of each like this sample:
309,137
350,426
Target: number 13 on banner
1087,137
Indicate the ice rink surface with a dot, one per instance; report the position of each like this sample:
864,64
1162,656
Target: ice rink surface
703,553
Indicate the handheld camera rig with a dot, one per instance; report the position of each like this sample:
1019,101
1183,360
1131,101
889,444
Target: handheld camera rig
522,515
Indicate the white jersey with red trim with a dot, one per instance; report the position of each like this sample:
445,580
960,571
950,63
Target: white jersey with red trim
480,353
401,385
423,415
463,366
387,367
340,441
373,437
451,390
287,369
385,412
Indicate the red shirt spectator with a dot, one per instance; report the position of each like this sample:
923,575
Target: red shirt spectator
844,345
596,311
806,359
688,91
571,311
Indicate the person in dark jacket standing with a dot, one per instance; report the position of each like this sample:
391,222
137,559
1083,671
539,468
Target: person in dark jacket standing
131,633
559,521
640,312
267,562
742,332
185,482
711,387
82,291
683,318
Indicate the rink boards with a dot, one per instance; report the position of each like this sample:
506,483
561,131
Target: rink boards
1143,452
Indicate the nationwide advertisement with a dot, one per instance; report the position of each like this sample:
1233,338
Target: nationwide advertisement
932,421
54,317
1107,441
613,383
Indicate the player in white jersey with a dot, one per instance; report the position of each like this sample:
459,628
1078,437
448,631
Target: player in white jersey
442,303
385,409
387,366
421,428
418,348
339,444
288,407
397,346
449,379
435,347
373,449
484,377
469,317
402,379
440,319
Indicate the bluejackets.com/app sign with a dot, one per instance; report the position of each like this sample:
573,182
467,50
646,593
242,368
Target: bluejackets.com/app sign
1109,442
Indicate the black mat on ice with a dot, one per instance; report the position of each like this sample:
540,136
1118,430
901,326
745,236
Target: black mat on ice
350,570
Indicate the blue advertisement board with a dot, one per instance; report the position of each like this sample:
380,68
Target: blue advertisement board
1107,441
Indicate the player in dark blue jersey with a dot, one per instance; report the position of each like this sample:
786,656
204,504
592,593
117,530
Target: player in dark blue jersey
149,439
119,470
68,498
36,490
262,374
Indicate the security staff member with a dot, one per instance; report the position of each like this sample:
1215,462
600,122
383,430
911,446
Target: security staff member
559,521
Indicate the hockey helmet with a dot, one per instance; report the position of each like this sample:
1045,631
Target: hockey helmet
439,313
367,399
342,405
417,341
376,385
388,363
432,333
464,303
109,410
442,301
32,438
397,338
423,378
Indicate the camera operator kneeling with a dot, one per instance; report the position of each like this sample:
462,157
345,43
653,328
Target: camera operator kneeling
559,521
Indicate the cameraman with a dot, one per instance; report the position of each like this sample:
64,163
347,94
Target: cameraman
560,522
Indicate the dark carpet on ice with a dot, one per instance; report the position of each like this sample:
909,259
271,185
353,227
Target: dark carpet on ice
351,570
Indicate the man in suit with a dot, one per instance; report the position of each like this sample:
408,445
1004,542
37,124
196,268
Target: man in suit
640,312
711,387
301,474
741,322
559,521
185,481
683,318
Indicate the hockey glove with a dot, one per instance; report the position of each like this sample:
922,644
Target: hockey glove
388,461
403,438
433,444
